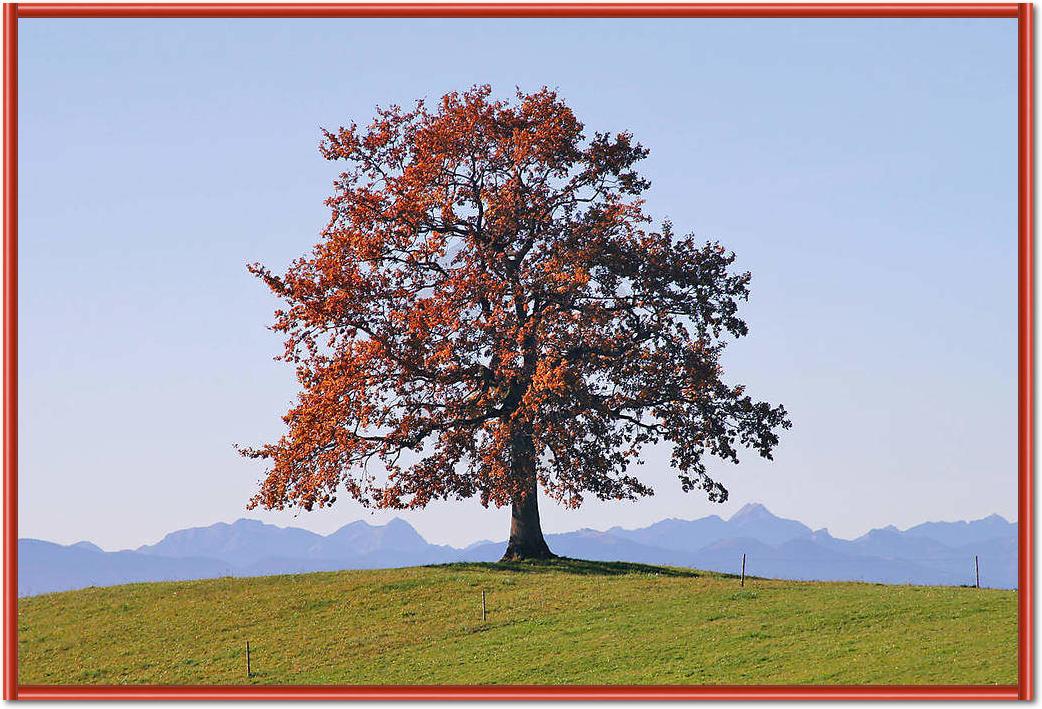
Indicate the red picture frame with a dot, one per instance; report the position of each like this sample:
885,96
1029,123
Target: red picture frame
1023,12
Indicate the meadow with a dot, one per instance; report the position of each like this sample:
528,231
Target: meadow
556,622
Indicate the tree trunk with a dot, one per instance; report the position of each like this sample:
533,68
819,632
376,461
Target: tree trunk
526,534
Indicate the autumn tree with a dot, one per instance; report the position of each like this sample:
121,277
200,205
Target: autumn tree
488,311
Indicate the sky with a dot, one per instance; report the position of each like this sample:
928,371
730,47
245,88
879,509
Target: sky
863,170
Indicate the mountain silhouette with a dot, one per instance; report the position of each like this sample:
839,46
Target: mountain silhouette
933,553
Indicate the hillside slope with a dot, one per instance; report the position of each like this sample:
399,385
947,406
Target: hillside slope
563,622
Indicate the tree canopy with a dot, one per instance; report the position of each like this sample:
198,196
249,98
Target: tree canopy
489,309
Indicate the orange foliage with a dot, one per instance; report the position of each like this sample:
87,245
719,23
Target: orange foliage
488,305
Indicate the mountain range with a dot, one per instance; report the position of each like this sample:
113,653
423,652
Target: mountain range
933,553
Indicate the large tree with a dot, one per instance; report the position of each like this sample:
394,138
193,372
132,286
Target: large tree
488,311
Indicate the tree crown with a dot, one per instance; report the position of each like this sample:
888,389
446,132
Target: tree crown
488,298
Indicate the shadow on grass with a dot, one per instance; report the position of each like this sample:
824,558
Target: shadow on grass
574,566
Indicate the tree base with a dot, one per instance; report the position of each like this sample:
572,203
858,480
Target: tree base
526,552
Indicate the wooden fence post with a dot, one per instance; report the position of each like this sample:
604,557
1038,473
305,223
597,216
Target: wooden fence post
248,672
483,616
743,569
976,568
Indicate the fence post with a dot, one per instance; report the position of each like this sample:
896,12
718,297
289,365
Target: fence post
976,568
743,569
483,616
248,673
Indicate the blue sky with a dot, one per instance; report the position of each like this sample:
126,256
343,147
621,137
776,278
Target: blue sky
863,170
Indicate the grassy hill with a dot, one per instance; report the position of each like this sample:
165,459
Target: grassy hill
562,622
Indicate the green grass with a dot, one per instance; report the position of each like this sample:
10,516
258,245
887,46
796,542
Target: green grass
560,622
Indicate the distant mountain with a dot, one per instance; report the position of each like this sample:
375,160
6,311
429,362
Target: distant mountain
889,543
957,534
86,546
361,539
44,567
677,534
242,543
930,553
602,546
755,522
254,548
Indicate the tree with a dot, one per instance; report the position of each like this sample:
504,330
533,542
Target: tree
488,312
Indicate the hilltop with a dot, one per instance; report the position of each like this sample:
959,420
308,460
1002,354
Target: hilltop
560,622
